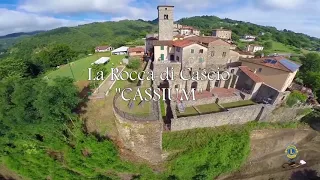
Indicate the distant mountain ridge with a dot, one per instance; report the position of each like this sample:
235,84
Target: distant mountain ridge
84,38
14,35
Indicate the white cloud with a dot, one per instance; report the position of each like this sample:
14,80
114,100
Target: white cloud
302,22
14,21
283,4
191,5
112,7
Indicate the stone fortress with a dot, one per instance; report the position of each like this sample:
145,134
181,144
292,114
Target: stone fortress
261,81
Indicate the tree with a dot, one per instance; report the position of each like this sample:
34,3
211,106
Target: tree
312,79
134,64
12,67
311,62
258,54
56,102
268,45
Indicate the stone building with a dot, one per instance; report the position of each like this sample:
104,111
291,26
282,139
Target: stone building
222,33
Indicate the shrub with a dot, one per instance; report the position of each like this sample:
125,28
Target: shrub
206,153
295,97
134,64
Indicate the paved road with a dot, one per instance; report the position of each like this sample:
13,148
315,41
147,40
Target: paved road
105,86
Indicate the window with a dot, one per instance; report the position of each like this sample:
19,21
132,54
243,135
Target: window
177,58
224,54
192,51
201,60
162,57
178,49
232,71
165,8
162,47
166,16
201,51
212,53
260,69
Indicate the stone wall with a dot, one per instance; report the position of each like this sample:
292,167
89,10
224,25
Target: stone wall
285,114
142,136
238,115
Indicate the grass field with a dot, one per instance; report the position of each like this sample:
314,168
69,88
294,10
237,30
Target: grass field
188,111
277,47
209,108
238,104
80,67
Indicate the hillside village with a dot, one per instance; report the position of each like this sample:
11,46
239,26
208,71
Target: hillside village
64,121
258,85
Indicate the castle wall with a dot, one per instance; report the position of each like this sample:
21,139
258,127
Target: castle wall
238,115
142,136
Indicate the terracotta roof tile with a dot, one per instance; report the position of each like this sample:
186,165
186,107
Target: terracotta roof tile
102,47
262,61
207,40
136,49
250,74
183,43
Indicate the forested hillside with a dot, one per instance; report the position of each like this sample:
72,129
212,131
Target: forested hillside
84,38
240,28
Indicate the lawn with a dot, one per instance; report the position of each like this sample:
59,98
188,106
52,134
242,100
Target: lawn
80,67
189,111
209,108
278,47
138,107
237,104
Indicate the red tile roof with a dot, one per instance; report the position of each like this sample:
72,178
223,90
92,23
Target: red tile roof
102,47
250,74
207,40
262,61
183,43
136,49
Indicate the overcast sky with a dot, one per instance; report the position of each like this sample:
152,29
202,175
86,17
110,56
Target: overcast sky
30,15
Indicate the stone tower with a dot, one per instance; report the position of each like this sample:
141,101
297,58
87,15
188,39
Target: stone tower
165,17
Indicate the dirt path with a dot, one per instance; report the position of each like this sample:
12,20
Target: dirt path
267,155
105,86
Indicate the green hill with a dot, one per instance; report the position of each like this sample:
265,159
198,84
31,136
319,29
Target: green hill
84,38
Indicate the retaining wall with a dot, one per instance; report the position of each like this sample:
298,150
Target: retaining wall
238,115
142,136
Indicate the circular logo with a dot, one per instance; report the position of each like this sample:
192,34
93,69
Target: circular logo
291,151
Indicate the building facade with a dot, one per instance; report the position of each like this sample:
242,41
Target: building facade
222,33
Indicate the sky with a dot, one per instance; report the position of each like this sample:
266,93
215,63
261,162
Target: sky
29,15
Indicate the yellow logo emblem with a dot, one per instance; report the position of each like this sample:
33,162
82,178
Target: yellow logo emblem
291,151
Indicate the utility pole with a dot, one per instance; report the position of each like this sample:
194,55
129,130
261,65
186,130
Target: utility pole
71,69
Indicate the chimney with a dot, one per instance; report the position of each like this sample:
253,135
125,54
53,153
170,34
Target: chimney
255,71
